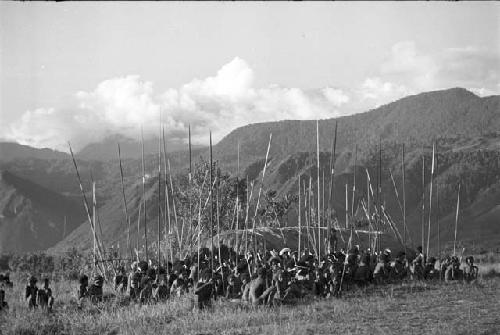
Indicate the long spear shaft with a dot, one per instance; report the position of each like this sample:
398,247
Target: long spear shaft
456,221
138,230
354,180
380,190
190,177
254,240
300,223
319,197
179,239
159,195
404,192
85,202
211,209
422,228
94,216
430,199
144,197
437,211
199,222
237,204
332,174
127,217
166,203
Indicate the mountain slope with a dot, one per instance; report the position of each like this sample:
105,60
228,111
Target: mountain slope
465,127
33,217
11,151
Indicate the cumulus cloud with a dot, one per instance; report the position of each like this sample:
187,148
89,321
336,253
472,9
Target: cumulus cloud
220,103
407,69
229,99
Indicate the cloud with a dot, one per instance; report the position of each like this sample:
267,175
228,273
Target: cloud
220,103
469,67
229,99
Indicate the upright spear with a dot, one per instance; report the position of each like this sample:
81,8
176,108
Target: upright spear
159,194
380,190
430,198
260,188
437,211
144,196
127,217
94,217
300,223
456,221
332,174
346,206
354,180
211,210
237,203
319,198
422,229
166,204
190,177
85,202
404,193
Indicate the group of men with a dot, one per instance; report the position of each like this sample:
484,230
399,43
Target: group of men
273,277
34,296
263,278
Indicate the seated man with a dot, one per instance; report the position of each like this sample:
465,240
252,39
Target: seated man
233,290
31,292
95,290
45,298
400,270
257,291
418,265
470,270
204,290
121,280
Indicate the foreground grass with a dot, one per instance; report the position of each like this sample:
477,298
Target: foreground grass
408,308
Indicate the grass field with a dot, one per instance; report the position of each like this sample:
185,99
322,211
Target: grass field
407,308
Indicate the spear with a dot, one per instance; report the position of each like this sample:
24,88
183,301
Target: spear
422,229
306,215
260,188
166,204
430,198
144,196
404,192
179,239
319,198
380,189
138,230
300,224
199,222
237,203
159,194
456,220
127,218
346,206
85,202
211,210
354,180
94,220
190,176
332,174
437,210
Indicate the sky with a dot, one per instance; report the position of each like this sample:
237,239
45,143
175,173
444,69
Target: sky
80,72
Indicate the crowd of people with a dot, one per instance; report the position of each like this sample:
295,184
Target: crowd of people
272,277
260,278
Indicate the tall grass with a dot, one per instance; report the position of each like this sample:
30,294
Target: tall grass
407,308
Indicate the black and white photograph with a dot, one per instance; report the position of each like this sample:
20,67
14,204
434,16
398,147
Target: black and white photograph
237,168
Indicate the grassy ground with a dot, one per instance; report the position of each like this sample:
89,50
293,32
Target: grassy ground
409,308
